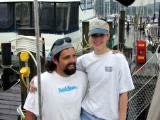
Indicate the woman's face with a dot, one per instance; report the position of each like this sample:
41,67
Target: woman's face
99,41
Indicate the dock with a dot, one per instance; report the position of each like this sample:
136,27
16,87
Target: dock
9,102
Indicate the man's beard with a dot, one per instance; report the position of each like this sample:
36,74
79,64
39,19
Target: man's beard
68,71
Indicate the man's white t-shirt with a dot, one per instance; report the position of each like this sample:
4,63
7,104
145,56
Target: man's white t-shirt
61,96
109,76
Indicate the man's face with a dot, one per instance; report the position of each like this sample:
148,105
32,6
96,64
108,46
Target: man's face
99,41
67,62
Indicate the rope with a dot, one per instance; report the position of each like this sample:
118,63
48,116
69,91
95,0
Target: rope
20,112
23,80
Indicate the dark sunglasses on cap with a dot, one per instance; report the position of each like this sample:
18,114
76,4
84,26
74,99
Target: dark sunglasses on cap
97,35
61,42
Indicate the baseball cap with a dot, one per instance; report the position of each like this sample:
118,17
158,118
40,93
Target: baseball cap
98,27
58,46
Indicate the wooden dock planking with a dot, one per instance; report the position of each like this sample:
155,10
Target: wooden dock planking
9,102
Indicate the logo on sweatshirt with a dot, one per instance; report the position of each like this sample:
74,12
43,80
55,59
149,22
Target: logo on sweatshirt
67,89
108,68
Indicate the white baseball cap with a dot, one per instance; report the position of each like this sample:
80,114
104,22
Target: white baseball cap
98,27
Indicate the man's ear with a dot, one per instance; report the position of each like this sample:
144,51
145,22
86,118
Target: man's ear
54,61
126,2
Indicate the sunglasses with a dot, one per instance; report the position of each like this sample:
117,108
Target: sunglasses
97,35
61,42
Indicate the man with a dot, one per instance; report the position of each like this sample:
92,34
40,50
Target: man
63,88
108,75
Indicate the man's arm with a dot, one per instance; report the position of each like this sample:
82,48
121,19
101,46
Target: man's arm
30,116
123,102
33,87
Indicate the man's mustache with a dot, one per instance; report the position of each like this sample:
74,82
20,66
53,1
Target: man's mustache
71,64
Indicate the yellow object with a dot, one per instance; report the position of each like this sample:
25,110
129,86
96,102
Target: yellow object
25,71
24,56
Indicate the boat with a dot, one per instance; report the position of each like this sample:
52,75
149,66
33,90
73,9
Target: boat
57,19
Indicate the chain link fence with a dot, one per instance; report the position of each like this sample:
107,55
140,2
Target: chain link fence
144,79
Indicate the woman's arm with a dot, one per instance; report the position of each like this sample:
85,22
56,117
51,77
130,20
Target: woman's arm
123,102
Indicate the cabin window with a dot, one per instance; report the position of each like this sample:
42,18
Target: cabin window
74,17
87,4
59,17
6,16
24,16
46,16
62,16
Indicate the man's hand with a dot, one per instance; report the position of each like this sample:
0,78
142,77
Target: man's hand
30,116
116,51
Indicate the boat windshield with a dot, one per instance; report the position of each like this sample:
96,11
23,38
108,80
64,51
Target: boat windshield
53,17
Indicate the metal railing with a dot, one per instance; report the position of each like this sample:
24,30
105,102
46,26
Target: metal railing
144,79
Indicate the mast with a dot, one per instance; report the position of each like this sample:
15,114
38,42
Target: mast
159,23
154,15
109,7
37,34
86,4
104,6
